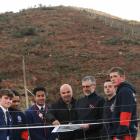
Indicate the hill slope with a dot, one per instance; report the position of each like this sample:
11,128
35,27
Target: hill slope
61,45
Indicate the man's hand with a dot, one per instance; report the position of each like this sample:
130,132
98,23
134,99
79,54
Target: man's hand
85,126
56,122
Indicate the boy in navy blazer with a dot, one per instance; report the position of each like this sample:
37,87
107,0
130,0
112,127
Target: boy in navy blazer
36,115
5,119
18,118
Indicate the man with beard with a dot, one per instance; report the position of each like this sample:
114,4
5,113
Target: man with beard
90,110
63,111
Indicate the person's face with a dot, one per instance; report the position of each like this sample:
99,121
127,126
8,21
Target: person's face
116,78
109,88
66,94
40,98
88,87
6,101
15,102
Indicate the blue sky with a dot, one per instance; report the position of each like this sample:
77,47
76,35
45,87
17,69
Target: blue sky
127,9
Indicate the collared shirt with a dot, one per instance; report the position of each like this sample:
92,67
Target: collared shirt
4,111
40,106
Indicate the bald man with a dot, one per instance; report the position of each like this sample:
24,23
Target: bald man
63,111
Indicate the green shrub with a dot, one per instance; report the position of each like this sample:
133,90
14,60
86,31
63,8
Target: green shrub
24,31
135,74
131,41
112,41
119,41
46,8
4,18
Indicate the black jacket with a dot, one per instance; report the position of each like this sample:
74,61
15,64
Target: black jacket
65,114
125,104
90,110
107,118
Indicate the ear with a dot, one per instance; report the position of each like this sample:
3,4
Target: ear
94,85
34,97
123,77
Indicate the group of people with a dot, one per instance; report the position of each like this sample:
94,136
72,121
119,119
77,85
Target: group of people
112,118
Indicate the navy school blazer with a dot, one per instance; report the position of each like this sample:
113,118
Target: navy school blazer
34,119
3,133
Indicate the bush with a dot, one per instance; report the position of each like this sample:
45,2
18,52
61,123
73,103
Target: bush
4,18
135,74
24,31
119,41
112,41
131,41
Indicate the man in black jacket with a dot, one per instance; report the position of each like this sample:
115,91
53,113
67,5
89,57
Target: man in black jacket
110,93
125,112
90,110
63,111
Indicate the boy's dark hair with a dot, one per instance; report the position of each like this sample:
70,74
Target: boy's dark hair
15,93
6,92
39,88
117,69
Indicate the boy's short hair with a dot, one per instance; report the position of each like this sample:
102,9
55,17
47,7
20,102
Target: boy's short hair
6,92
39,88
15,92
117,69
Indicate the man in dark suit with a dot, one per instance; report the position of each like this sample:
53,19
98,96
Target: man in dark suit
18,117
36,115
5,119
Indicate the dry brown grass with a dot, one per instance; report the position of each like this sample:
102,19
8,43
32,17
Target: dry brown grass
61,46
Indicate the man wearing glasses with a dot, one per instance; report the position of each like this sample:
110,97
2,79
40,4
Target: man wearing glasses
90,110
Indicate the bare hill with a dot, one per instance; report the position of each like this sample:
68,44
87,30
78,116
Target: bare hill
61,45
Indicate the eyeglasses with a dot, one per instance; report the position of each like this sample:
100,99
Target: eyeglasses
87,86
65,92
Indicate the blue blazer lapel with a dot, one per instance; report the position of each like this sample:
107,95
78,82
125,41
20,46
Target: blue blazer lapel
2,118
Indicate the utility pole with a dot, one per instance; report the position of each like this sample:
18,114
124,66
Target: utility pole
25,84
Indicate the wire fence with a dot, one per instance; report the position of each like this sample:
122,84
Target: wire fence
72,125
